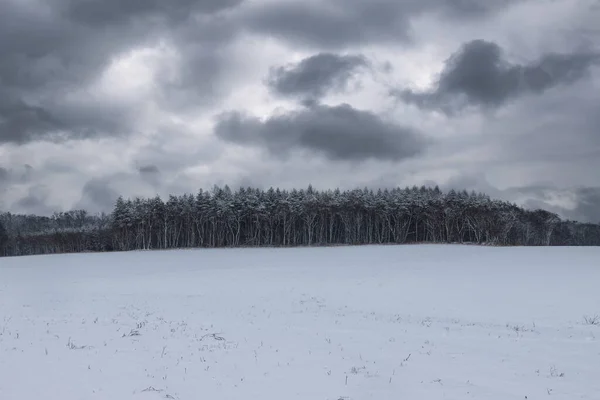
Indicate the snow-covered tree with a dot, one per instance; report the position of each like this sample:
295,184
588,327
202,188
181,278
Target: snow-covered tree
300,217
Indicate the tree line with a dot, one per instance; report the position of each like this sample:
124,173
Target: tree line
307,217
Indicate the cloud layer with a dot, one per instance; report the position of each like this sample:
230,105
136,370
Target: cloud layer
54,61
103,98
343,23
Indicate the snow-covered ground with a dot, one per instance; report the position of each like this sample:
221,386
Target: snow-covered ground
390,322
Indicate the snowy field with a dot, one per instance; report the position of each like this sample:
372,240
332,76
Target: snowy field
392,322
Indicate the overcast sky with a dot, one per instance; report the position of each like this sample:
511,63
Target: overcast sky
142,97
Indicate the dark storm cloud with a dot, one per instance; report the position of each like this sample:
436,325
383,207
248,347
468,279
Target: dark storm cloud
341,23
479,74
339,133
315,76
43,56
20,122
48,51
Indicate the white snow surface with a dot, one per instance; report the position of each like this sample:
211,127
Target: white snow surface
371,322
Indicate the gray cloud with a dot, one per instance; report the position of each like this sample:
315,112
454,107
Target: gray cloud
42,57
216,53
339,132
97,195
148,170
205,62
586,199
48,52
12,175
341,23
102,12
315,76
36,201
462,9
479,74
4,175
20,122
151,174
588,204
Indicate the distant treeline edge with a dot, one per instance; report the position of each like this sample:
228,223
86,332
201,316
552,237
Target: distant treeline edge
307,217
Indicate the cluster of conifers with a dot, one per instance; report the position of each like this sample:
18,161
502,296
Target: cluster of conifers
253,217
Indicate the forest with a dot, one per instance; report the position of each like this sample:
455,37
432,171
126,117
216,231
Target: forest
222,217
